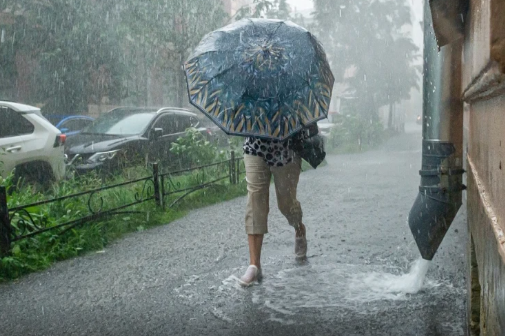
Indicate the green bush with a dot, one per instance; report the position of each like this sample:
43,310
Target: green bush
193,149
40,251
353,132
236,143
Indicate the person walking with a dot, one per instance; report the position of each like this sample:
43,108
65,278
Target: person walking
264,159
269,81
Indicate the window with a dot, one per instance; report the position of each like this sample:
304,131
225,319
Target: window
182,123
168,123
75,124
120,123
194,121
173,123
13,123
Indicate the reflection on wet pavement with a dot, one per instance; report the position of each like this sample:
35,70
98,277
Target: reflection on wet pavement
181,279
335,292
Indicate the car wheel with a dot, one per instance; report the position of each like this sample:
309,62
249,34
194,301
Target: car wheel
34,173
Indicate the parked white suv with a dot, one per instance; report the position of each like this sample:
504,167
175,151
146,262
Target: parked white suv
30,144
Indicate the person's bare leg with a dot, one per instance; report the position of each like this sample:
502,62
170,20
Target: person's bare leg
255,243
286,182
258,176
300,242
253,272
300,232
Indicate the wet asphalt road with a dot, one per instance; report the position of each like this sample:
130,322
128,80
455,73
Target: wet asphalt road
180,279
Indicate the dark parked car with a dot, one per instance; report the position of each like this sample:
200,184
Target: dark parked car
128,136
215,134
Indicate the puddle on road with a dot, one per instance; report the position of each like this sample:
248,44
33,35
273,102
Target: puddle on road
355,287
332,289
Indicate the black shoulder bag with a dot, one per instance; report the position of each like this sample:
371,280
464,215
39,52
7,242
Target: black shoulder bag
309,145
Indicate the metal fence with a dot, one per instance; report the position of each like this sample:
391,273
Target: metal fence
164,188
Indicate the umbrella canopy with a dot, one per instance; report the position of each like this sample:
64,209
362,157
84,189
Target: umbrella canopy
259,77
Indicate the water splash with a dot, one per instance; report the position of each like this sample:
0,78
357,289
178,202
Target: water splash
340,290
386,286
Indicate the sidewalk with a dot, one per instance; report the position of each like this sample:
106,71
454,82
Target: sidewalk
180,279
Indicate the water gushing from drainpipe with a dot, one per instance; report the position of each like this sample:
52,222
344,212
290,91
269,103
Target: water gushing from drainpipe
440,192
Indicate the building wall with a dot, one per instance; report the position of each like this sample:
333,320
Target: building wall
483,90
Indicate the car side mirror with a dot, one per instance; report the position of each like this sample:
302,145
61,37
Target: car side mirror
64,130
156,133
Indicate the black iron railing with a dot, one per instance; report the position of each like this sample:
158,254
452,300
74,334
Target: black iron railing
166,189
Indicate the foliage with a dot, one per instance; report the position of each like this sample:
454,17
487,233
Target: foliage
270,9
75,49
365,38
40,251
258,10
85,51
193,149
354,133
161,35
236,143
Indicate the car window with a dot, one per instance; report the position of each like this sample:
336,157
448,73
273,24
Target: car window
168,123
120,123
73,125
194,121
172,123
13,123
182,123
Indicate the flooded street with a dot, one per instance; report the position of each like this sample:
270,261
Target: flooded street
181,279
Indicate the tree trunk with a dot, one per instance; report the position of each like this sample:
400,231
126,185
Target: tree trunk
390,118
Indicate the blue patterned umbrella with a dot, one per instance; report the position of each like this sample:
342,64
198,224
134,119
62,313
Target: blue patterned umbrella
259,77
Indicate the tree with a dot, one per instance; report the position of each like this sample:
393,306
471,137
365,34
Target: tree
258,10
76,51
167,30
8,69
366,36
279,10
87,50
271,9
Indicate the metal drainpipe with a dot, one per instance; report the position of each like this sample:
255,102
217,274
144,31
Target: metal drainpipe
440,192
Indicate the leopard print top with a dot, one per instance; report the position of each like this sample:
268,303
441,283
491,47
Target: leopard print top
275,153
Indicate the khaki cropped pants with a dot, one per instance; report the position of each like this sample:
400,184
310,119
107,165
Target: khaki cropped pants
258,175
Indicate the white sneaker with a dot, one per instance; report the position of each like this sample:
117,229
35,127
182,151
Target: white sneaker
251,275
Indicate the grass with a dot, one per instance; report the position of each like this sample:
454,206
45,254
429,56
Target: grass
39,252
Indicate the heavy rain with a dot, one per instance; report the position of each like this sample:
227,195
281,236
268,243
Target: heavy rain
237,167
